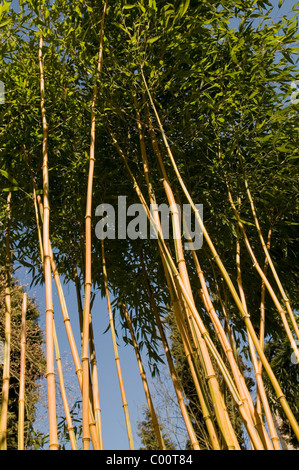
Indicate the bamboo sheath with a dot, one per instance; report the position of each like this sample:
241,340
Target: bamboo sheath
116,354
21,411
144,382
88,280
7,342
244,314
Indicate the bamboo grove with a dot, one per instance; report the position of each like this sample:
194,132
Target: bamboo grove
177,103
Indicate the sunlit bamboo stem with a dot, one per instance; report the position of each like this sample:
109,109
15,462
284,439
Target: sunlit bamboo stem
53,439
68,416
67,323
116,354
7,343
88,280
144,382
21,413
171,366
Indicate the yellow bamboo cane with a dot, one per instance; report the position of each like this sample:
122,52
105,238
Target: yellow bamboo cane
38,205
144,382
21,413
88,280
68,416
116,354
280,396
7,343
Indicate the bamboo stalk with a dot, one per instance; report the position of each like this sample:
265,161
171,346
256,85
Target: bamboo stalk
184,274
244,314
116,354
268,257
53,439
88,280
144,382
264,278
38,205
7,343
259,381
21,413
212,381
172,370
68,416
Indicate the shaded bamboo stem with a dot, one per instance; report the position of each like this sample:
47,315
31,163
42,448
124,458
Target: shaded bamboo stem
88,280
280,396
53,439
116,355
145,382
21,413
268,257
264,278
7,343
63,393
259,381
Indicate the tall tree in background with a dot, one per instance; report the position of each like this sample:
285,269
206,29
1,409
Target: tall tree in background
35,363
